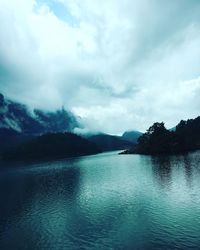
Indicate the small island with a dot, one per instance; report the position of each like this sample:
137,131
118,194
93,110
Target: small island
183,138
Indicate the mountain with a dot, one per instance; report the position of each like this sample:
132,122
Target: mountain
172,129
59,121
52,146
109,142
18,124
159,140
131,136
17,117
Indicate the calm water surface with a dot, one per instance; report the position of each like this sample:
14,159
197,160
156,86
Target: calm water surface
106,201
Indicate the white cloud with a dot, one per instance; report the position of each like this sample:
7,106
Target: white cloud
119,64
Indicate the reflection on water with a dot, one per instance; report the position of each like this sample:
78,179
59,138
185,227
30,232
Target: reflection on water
162,169
107,201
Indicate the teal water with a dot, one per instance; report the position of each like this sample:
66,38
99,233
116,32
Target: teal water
106,201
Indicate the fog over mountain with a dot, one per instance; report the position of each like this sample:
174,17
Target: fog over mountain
18,118
119,65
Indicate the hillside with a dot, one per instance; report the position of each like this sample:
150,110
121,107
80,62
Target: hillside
18,124
109,142
16,116
131,136
52,146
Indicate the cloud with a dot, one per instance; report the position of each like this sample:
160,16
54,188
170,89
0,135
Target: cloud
118,64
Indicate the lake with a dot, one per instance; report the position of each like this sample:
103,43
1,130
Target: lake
104,201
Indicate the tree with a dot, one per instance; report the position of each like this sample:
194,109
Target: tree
157,139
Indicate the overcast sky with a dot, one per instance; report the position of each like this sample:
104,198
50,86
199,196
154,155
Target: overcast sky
120,65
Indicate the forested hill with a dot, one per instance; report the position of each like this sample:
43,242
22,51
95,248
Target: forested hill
52,146
159,140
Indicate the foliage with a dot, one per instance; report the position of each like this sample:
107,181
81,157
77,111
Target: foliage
159,140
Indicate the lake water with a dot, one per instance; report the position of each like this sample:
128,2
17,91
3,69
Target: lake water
106,201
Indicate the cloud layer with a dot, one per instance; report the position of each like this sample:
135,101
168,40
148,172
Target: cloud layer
118,64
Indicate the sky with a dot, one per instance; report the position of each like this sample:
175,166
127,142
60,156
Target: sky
119,65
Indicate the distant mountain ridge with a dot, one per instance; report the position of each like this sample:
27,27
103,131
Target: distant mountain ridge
131,136
19,125
26,134
17,117
110,142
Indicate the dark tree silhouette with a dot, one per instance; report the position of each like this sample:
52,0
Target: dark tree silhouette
159,140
